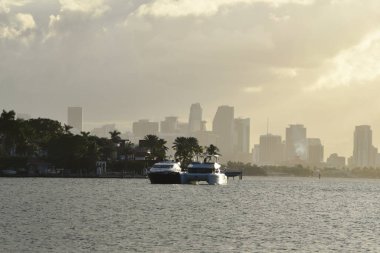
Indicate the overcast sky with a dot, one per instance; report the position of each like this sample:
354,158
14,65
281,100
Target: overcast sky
315,62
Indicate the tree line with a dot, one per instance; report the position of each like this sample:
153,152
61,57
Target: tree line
47,140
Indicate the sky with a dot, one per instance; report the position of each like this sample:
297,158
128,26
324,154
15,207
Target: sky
311,62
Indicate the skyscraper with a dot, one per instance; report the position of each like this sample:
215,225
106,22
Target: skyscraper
144,127
223,126
296,143
335,161
169,125
242,135
315,151
74,118
364,154
195,118
271,150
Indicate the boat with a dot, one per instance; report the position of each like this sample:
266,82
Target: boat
166,172
204,171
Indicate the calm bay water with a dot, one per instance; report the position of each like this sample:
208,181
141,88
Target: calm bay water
131,215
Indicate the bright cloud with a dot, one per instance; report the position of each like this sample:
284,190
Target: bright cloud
95,8
253,89
180,8
5,5
358,64
21,25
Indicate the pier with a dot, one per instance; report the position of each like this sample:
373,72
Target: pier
234,174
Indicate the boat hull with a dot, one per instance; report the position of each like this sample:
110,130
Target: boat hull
165,177
210,178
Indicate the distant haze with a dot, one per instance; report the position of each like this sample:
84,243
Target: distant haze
311,62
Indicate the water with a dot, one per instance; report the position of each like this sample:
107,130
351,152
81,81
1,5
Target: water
126,215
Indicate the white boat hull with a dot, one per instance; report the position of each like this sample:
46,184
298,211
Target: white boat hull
210,178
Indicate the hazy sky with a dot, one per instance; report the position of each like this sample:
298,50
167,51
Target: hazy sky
315,62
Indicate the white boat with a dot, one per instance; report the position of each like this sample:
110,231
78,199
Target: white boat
204,171
9,172
166,172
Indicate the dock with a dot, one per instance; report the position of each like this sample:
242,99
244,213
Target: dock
234,174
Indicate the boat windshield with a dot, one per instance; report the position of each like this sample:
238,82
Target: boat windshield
200,170
163,166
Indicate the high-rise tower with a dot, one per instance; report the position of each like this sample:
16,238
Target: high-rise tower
74,118
242,135
195,118
364,152
296,143
223,126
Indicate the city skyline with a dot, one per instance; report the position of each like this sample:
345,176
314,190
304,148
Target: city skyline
127,127
123,61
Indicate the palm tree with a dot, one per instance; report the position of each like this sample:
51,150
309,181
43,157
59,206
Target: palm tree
85,134
115,136
186,148
9,131
67,128
156,146
116,140
211,150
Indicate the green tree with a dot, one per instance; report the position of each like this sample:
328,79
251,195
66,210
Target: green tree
68,151
156,147
211,150
9,131
185,149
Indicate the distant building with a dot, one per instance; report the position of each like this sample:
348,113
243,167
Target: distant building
271,150
314,152
256,154
377,160
104,131
24,116
195,118
364,154
183,128
203,125
74,118
336,161
144,127
223,126
242,135
169,125
296,143
206,138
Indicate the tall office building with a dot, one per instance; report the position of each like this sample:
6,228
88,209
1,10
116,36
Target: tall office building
271,150
242,135
364,154
144,127
335,161
195,118
223,126
74,118
256,154
296,143
315,151
104,131
169,125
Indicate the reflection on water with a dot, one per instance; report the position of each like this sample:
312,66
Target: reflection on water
127,215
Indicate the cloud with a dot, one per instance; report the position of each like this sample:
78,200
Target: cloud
5,5
21,26
253,89
285,72
181,8
358,64
94,8
75,15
